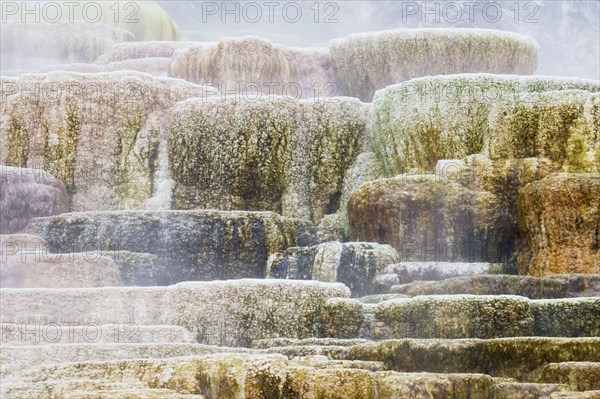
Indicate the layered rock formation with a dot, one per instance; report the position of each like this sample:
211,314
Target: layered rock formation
558,286
218,312
155,66
146,49
354,264
89,308
367,62
189,245
26,263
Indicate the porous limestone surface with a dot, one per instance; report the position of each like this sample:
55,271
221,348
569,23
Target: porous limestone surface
580,376
233,376
454,316
558,286
520,358
430,220
560,223
32,334
155,66
407,272
145,49
354,263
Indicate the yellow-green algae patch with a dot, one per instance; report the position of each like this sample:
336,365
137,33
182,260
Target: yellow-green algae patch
414,124
101,134
18,142
270,153
366,62
497,357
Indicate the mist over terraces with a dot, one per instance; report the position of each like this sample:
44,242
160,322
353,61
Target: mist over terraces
285,200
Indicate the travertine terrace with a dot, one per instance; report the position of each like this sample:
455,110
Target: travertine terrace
401,214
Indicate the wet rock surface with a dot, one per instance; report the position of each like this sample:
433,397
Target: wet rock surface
417,123
268,153
559,286
27,194
57,127
354,264
227,313
189,245
429,220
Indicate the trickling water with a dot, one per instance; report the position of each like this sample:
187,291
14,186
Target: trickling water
161,200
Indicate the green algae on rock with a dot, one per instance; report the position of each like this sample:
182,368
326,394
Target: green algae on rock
578,317
341,318
101,134
366,62
496,357
268,153
414,124
559,220
562,126
196,245
462,316
268,376
334,227
558,286
582,376
408,272
483,316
